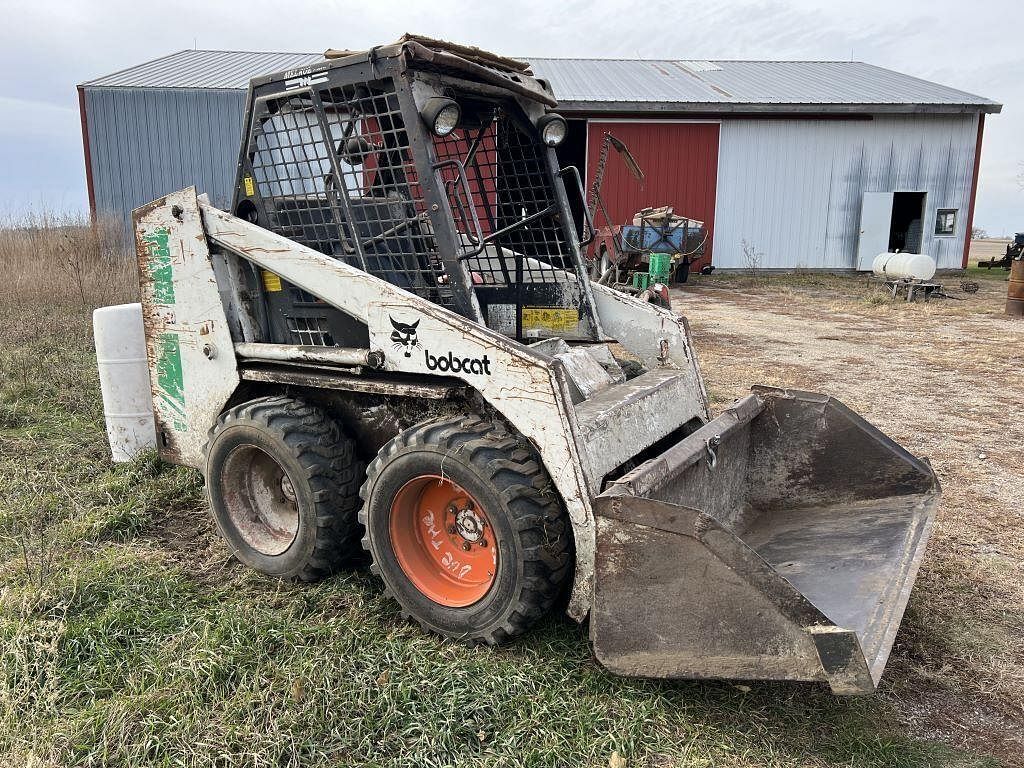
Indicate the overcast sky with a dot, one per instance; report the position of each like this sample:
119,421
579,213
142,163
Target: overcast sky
48,46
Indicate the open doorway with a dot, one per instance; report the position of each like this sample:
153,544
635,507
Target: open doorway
889,221
906,228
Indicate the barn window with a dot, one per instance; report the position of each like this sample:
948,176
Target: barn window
945,221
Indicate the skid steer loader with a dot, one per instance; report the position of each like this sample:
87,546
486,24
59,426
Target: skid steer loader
391,343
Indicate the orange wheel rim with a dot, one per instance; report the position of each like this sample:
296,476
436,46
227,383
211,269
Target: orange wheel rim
443,541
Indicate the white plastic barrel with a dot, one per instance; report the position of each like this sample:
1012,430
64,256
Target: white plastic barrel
124,379
900,266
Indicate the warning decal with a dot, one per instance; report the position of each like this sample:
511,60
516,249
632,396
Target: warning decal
556,319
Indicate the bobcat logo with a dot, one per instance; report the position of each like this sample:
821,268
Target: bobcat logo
404,336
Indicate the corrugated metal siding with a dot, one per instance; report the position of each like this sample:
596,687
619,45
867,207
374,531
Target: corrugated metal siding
145,143
792,189
597,82
601,84
204,69
679,160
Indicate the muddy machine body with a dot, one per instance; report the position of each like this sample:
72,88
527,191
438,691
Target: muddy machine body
391,340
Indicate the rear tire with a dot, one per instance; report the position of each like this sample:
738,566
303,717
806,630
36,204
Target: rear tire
602,263
283,484
682,271
460,492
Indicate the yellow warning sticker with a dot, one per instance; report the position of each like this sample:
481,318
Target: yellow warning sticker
271,282
557,319
250,188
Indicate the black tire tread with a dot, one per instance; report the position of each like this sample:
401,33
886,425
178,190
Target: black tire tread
535,509
333,472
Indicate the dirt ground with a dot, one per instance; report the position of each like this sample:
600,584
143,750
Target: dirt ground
945,380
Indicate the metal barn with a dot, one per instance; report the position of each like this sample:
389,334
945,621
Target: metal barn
817,165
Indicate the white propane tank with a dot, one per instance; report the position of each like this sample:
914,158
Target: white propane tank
904,266
124,379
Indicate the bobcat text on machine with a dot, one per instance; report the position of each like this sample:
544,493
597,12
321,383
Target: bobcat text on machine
391,341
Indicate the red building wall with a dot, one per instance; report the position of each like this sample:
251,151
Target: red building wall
679,160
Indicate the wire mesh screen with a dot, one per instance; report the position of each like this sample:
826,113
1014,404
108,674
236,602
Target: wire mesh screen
505,208
342,180
310,331
335,172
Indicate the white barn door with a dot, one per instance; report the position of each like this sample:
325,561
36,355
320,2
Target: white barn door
875,223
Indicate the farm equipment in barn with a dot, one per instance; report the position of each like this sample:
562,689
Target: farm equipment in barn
1013,251
644,257
596,202
391,343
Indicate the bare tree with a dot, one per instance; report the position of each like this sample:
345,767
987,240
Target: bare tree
752,258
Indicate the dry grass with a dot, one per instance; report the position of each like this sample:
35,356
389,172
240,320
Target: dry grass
62,259
128,636
988,248
57,268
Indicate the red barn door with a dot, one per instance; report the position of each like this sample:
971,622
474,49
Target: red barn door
679,160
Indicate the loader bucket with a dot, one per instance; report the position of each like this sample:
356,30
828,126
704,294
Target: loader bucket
778,542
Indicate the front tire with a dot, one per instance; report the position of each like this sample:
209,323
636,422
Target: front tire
283,484
465,529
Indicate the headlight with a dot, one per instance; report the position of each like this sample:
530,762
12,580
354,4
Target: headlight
441,114
552,128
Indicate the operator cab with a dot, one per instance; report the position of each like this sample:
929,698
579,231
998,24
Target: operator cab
431,167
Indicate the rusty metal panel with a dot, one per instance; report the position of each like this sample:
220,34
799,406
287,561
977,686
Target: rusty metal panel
191,359
779,541
1015,290
315,377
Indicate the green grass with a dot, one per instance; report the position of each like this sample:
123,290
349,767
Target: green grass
129,637
974,271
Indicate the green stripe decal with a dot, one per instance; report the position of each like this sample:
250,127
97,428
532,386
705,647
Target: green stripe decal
169,378
160,265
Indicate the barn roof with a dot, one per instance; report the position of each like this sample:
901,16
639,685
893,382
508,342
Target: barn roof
625,85
230,70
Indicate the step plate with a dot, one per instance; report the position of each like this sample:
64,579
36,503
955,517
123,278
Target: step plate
621,421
